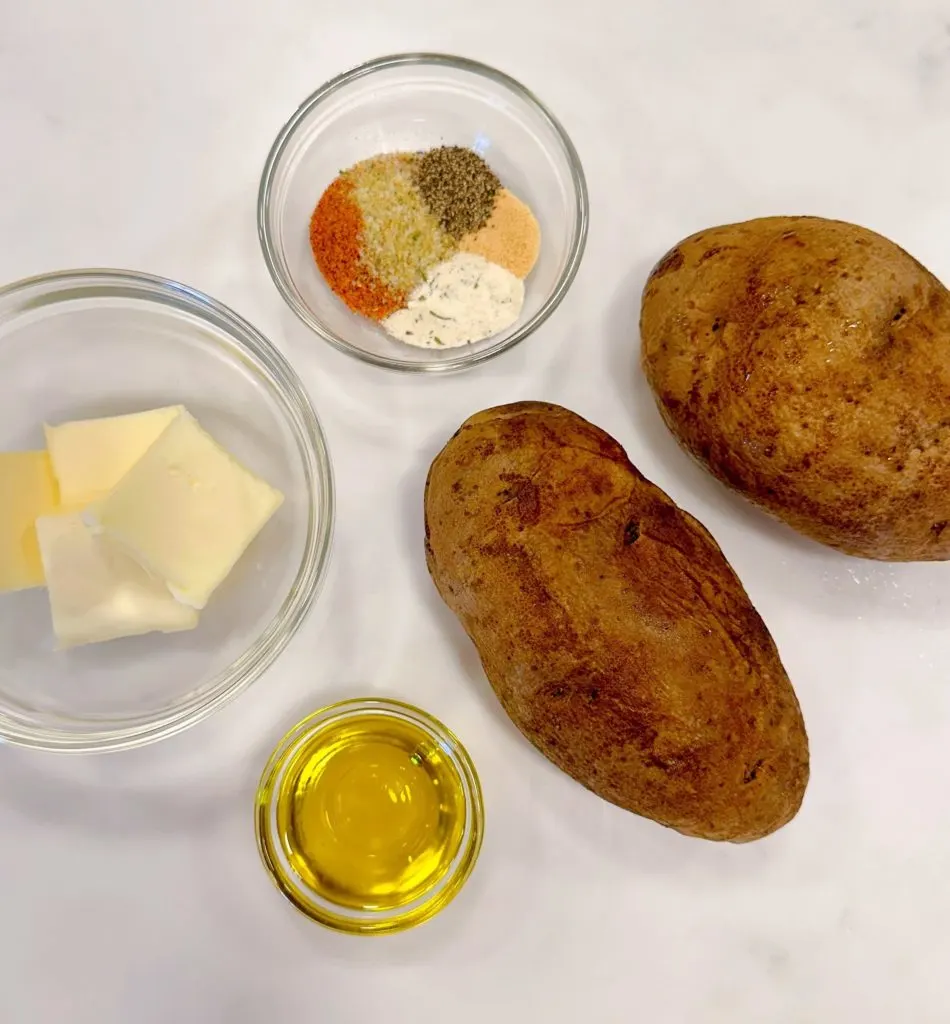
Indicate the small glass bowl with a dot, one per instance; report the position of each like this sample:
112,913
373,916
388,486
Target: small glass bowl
276,849
90,343
410,102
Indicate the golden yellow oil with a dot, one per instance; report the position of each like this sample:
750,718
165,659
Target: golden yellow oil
370,812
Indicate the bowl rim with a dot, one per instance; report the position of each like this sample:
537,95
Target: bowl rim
269,363
271,252
368,921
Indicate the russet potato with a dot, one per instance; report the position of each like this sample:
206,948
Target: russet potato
611,627
806,363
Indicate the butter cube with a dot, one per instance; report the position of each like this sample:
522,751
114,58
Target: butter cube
186,511
91,456
97,592
27,491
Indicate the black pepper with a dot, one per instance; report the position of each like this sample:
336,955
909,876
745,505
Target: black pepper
458,187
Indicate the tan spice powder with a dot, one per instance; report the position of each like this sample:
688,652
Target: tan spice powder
401,239
511,238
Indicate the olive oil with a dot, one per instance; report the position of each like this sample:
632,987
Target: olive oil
370,812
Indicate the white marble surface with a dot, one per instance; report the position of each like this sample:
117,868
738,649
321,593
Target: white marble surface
133,134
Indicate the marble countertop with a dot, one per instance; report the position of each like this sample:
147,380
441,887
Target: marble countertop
133,135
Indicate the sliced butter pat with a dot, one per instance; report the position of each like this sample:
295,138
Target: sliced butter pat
186,511
27,491
91,456
98,592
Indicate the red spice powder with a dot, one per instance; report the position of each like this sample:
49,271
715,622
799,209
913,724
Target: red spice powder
336,229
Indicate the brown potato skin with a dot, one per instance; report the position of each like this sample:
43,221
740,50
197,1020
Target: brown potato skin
610,625
806,363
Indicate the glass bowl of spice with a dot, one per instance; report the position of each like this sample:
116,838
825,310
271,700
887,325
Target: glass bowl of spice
369,816
423,212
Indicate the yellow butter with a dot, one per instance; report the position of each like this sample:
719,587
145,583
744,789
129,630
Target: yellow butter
90,457
97,592
186,511
27,491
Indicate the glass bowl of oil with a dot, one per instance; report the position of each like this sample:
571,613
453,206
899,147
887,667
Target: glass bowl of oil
369,816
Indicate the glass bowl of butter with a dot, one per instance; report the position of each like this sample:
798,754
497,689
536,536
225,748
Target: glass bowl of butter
166,508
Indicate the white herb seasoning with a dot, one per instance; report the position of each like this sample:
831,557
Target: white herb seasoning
462,300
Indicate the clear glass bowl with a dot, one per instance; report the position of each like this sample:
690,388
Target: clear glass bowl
95,343
412,102
275,848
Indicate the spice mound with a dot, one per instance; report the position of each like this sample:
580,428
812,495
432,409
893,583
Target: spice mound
429,245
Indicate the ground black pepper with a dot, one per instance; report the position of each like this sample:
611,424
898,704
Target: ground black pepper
458,187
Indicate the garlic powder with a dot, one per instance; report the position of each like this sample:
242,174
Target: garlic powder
462,300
